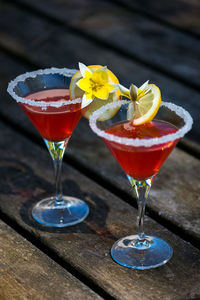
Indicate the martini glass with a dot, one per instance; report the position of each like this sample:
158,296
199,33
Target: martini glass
141,151
44,97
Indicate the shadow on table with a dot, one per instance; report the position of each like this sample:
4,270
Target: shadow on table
94,223
18,179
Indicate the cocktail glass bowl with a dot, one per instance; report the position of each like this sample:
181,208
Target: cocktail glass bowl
44,97
141,151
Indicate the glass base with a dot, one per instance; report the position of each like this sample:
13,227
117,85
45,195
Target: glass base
132,253
69,212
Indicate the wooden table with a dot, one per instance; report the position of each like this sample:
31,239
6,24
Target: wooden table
137,40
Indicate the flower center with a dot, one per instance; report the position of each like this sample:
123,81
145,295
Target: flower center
95,86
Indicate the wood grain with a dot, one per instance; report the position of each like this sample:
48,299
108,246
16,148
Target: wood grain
27,273
179,174
26,177
45,44
182,14
154,44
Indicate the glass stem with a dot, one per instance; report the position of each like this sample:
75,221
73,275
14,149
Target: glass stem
57,150
58,168
141,190
140,218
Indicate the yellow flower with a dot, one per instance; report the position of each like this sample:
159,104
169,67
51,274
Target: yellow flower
134,93
95,84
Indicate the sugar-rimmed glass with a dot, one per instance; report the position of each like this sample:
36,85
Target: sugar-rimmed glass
44,97
141,157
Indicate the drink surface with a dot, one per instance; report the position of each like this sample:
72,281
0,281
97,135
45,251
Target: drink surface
53,123
141,162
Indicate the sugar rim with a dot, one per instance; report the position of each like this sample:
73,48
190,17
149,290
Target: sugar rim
181,112
63,71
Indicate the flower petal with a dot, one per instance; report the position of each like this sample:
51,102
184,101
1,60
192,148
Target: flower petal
100,77
115,87
85,102
141,93
101,93
145,85
83,68
84,84
110,87
89,96
103,69
124,91
133,92
87,74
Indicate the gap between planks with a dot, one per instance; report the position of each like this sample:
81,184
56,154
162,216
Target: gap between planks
98,41
89,173
153,17
55,257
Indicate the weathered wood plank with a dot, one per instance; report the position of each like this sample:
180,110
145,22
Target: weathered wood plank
183,14
58,47
175,193
98,159
27,273
158,46
26,177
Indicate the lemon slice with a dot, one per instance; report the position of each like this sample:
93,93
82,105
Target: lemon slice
145,108
76,92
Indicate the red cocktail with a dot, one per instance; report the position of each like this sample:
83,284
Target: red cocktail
141,150
53,123
44,97
141,162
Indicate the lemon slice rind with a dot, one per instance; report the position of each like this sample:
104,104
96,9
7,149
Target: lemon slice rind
145,109
76,92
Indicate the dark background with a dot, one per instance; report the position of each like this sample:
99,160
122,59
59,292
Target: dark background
138,40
